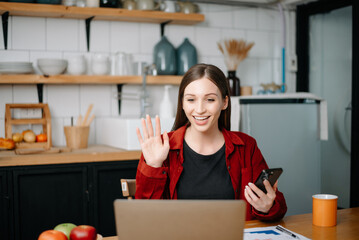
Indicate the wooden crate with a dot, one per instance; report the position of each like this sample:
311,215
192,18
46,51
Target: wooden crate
45,121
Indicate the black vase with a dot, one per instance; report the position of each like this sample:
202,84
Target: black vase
234,83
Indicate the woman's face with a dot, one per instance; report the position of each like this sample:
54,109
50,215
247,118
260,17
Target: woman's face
202,104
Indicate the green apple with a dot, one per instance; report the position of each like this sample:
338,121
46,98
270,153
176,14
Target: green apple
65,228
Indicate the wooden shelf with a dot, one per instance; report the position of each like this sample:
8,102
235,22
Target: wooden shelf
87,79
109,14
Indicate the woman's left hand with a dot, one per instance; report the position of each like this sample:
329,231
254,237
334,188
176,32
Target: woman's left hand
258,199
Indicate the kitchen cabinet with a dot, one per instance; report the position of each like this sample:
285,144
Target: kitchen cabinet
107,188
43,196
4,207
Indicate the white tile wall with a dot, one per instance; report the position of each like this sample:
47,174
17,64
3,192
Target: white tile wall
62,35
125,37
245,18
31,38
28,33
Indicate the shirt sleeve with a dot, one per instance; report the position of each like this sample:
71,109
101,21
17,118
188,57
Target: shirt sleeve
150,181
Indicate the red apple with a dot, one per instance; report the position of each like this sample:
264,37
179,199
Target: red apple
83,232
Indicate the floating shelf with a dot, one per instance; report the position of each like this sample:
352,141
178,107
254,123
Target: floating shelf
108,14
87,79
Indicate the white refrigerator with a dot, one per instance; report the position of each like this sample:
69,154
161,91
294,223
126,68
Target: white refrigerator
288,129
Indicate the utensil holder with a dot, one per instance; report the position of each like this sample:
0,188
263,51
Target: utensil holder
76,136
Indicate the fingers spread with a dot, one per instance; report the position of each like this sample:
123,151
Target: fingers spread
139,136
149,126
144,128
158,126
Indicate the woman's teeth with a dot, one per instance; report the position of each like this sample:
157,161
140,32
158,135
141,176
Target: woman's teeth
201,118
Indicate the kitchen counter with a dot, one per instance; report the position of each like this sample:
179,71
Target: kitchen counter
94,153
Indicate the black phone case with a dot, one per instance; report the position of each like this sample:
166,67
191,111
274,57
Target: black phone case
271,175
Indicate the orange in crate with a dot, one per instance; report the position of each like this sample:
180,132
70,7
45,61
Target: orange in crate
45,121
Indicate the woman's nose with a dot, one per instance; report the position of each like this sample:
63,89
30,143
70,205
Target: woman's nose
200,107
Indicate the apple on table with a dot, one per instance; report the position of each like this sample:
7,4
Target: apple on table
83,232
52,235
65,228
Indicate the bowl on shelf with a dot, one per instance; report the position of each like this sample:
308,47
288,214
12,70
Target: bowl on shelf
51,66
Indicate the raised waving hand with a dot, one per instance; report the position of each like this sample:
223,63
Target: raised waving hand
154,150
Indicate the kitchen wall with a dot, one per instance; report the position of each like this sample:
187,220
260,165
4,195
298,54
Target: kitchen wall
32,38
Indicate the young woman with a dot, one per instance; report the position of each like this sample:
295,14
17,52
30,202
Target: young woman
201,158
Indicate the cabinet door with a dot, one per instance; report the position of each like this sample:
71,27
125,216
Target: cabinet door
4,207
107,188
45,196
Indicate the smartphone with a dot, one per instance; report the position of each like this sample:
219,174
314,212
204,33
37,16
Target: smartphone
271,175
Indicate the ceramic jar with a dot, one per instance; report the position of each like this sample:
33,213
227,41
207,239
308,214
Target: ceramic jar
187,7
168,6
164,57
186,57
147,5
129,4
76,65
100,64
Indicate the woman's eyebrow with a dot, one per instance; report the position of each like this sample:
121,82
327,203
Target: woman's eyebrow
191,94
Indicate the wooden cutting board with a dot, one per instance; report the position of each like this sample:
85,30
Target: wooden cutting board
41,151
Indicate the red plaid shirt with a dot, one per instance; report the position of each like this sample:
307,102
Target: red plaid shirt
244,163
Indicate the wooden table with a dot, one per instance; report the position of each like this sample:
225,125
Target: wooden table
347,226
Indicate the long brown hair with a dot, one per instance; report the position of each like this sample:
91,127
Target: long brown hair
215,75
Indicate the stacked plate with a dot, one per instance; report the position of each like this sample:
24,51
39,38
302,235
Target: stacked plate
15,67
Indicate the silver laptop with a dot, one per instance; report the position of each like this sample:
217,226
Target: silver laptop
179,219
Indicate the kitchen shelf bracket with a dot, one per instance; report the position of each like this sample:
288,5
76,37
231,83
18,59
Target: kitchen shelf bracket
163,27
88,24
5,23
119,92
40,90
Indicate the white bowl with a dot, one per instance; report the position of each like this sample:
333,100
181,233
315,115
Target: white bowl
51,66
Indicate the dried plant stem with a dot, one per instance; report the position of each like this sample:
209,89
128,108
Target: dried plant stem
234,51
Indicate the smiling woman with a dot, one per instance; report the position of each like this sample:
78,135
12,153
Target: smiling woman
201,158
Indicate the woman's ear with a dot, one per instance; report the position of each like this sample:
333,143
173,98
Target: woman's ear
225,103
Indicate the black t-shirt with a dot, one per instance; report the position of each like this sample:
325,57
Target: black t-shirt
204,176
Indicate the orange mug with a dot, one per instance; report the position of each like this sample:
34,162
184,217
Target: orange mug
325,210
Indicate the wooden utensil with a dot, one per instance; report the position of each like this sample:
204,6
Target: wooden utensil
79,120
87,115
90,120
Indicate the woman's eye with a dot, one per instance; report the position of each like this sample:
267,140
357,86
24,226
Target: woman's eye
190,99
211,99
